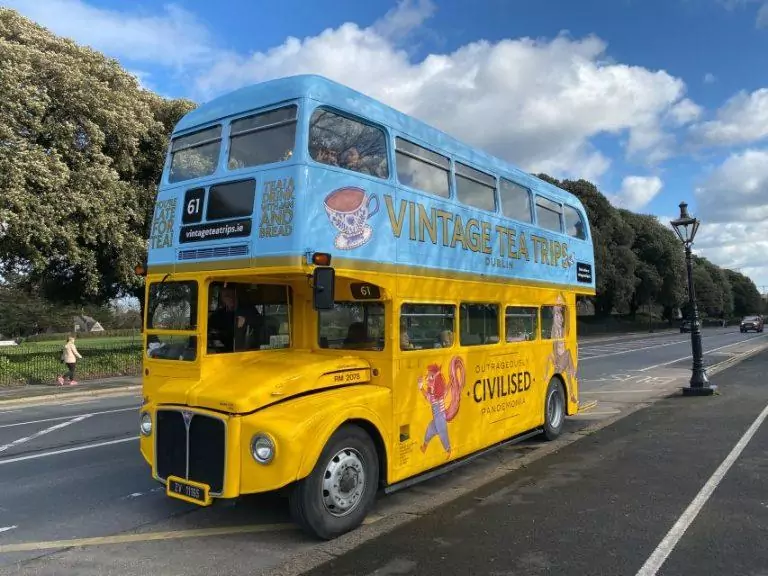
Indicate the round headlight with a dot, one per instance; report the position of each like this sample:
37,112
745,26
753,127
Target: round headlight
145,424
262,448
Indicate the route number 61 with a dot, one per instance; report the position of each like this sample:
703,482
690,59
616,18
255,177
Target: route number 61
193,206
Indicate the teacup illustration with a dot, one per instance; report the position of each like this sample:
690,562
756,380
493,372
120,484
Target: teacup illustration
348,210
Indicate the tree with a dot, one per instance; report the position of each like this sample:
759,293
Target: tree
661,263
615,262
81,150
746,297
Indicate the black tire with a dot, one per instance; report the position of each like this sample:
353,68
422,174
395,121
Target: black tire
307,500
554,419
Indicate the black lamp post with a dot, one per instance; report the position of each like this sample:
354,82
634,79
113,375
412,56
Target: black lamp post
686,228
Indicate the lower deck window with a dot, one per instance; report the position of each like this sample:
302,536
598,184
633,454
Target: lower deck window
244,317
479,324
521,323
426,326
352,326
554,322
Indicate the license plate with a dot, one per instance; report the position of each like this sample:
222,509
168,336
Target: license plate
188,491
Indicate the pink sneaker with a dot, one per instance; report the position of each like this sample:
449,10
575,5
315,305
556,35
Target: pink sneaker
60,380
73,382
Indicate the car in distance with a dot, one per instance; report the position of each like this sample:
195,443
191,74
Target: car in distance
752,323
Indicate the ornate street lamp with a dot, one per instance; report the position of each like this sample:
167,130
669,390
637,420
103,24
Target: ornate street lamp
686,228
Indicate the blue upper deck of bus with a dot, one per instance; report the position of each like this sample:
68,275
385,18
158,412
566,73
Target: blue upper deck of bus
254,176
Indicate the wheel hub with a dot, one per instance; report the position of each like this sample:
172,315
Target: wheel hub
343,482
554,409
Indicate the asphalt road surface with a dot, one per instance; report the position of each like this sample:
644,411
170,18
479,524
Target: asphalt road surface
636,498
73,471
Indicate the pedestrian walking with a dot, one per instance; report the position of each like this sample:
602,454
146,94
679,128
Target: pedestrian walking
69,355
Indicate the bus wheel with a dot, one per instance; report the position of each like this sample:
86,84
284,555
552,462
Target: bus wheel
554,410
337,495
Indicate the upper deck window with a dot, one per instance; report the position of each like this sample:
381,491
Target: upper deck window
195,155
475,188
548,214
422,169
574,223
263,138
515,201
347,143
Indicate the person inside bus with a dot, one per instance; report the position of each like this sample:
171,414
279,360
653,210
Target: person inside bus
405,338
357,336
445,339
228,324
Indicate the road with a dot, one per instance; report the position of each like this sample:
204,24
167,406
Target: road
73,471
637,498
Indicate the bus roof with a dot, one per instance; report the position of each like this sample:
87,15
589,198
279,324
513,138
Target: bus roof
292,216
319,88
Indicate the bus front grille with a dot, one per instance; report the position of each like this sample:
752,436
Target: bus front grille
191,446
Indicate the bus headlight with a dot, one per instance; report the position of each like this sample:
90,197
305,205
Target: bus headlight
262,448
145,424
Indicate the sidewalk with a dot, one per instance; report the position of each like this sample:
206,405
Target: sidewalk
39,391
604,505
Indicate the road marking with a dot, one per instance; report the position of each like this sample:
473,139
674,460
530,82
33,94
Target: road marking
66,450
665,345
665,547
705,352
587,406
627,391
36,435
633,350
59,418
7,529
145,537
604,413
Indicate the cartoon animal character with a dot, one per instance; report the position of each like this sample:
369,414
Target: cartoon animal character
436,390
560,361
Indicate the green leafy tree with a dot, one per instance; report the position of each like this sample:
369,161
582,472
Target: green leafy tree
746,296
81,150
661,264
615,262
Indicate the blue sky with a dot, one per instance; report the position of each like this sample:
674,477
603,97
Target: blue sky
656,101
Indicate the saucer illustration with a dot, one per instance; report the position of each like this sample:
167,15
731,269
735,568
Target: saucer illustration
343,242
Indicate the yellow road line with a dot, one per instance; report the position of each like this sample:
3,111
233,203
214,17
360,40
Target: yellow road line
587,406
146,537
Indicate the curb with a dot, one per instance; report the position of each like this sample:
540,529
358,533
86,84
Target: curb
45,399
327,551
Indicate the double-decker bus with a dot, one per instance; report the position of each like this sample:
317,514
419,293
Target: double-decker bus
342,299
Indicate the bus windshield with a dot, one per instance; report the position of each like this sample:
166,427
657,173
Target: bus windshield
244,317
172,307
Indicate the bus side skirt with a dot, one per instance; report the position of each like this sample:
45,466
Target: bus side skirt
445,468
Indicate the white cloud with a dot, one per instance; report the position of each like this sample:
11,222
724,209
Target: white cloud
742,120
537,103
534,102
175,37
737,246
737,190
685,112
637,192
762,16
403,19
709,78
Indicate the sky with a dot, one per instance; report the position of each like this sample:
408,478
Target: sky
655,101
